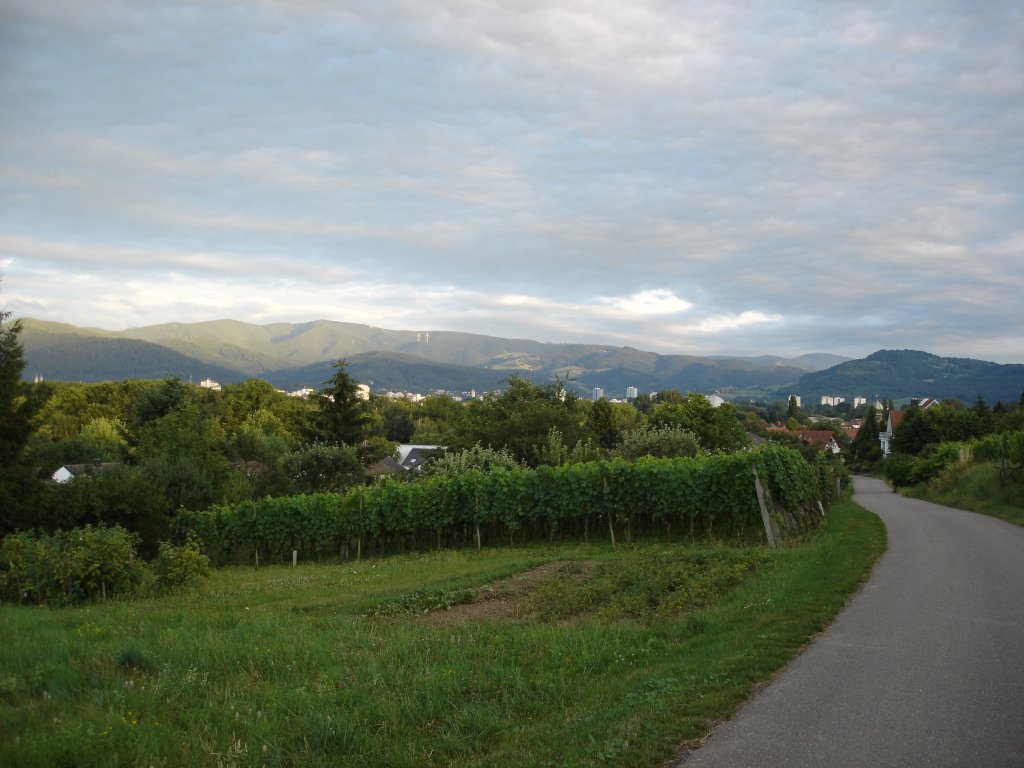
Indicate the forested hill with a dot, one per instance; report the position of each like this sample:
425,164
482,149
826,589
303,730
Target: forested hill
292,355
891,373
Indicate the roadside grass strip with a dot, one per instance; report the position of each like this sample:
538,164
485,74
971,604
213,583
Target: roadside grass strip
611,658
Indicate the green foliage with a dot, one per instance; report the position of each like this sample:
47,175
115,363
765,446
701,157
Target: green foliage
69,567
16,478
421,601
601,423
555,452
716,429
520,419
669,440
182,566
283,658
342,417
455,463
715,492
123,496
322,467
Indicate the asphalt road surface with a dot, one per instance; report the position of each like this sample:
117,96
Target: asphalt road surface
925,667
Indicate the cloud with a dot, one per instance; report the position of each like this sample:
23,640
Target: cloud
691,177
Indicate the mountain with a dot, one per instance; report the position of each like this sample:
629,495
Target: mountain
300,354
292,355
814,361
66,353
394,372
906,373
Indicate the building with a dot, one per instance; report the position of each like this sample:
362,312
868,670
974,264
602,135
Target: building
598,394
859,401
885,438
716,401
68,472
210,384
832,400
632,393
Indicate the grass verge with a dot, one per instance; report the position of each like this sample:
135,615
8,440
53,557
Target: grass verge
283,667
978,488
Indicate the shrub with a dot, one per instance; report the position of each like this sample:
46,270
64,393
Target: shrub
69,566
458,462
665,441
899,469
180,566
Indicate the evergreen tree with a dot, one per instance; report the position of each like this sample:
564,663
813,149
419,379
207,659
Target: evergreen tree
342,417
601,422
16,480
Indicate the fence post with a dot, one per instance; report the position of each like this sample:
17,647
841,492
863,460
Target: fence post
765,517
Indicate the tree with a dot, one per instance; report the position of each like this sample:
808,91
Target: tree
669,440
601,423
793,410
866,448
321,467
342,417
16,480
520,419
717,429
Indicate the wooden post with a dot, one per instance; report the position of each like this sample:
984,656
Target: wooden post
821,507
766,518
295,557
478,538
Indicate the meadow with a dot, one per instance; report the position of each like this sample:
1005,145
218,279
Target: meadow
562,654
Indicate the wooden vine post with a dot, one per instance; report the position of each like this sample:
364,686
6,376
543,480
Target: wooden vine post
766,518
611,526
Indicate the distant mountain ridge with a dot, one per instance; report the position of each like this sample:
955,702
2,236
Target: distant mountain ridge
890,373
294,355
290,355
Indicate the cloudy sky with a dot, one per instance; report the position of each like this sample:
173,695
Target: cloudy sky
686,177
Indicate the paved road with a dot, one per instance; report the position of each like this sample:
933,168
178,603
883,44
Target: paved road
924,668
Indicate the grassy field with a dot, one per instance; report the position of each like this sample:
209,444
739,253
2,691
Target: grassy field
589,657
976,487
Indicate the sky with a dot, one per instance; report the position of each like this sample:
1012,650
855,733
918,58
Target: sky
683,177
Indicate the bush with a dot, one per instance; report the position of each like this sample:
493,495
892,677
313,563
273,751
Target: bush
667,441
457,463
180,566
899,468
69,566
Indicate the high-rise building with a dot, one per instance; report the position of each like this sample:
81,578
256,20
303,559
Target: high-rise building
631,393
598,394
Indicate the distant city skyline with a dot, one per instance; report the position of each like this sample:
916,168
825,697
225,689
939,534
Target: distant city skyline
684,178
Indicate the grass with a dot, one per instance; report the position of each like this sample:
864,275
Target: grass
284,667
975,487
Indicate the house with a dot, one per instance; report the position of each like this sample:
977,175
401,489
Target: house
69,472
885,438
384,468
823,439
413,457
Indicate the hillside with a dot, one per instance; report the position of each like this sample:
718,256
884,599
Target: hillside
393,372
69,356
910,373
295,355
292,355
